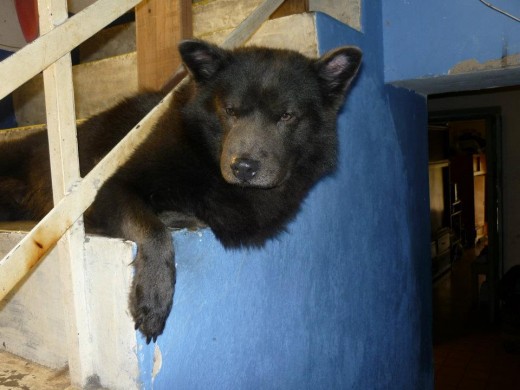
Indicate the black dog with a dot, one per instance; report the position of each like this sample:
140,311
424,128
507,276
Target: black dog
238,149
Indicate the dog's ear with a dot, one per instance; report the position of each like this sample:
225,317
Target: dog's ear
202,59
337,69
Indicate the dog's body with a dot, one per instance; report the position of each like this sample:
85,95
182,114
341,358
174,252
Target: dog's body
239,149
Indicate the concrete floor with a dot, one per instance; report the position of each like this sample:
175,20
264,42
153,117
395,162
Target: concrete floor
17,373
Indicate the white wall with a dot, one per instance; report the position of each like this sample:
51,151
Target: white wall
510,103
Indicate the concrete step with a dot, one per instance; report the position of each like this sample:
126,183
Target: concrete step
19,373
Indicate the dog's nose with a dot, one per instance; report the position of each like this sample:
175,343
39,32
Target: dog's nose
245,169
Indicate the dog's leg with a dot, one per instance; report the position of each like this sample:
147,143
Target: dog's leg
121,213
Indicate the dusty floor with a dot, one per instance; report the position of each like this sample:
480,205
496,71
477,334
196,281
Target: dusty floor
16,373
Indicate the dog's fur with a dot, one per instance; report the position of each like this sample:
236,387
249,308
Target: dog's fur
239,148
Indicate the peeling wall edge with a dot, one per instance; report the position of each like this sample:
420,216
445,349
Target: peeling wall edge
468,81
472,65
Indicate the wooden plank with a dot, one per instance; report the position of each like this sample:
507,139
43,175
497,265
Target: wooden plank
19,132
303,38
38,55
291,7
59,102
109,42
160,26
219,15
97,86
273,34
252,23
213,20
64,161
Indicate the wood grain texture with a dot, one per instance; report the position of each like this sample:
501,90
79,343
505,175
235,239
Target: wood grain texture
44,51
291,7
97,85
64,161
161,25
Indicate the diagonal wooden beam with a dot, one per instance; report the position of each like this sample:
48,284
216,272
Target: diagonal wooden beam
69,33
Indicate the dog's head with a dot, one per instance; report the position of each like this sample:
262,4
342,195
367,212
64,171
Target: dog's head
276,109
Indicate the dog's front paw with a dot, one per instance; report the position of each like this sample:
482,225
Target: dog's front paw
150,313
151,297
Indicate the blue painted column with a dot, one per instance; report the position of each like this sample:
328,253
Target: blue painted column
341,301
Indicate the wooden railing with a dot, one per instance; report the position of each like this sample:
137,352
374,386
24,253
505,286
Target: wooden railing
50,53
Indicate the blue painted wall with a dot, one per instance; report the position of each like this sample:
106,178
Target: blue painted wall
341,301
427,38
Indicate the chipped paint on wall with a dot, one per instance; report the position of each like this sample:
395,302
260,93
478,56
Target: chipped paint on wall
473,65
157,361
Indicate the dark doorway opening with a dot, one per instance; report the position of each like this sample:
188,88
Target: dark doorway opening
466,207
466,133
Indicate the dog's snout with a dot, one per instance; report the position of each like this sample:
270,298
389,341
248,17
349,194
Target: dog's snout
245,169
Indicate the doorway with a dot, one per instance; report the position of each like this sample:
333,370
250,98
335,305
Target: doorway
465,199
469,341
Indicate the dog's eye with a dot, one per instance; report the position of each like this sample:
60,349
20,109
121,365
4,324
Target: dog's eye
286,116
230,111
